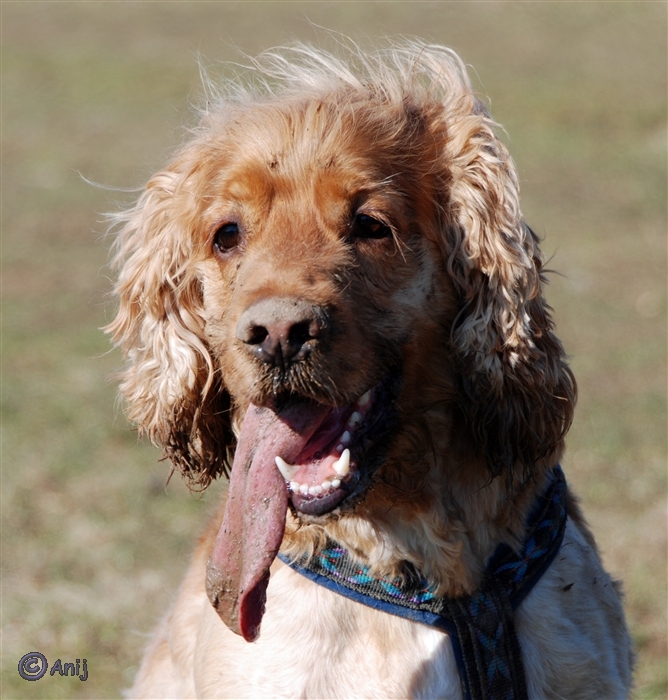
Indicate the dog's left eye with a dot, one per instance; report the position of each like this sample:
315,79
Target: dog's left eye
365,226
226,237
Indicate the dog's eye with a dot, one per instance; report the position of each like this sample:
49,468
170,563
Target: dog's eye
366,226
226,237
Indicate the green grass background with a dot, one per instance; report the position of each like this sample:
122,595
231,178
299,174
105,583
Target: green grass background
93,543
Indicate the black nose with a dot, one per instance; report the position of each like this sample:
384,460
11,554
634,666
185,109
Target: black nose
280,331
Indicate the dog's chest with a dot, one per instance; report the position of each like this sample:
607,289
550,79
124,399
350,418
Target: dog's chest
317,644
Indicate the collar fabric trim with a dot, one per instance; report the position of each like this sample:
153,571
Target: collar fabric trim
480,625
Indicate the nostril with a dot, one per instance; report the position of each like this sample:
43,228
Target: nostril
302,332
256,335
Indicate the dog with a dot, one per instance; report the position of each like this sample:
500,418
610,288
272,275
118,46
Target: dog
330,295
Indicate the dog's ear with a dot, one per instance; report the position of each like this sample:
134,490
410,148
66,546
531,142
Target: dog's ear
517,392
170,385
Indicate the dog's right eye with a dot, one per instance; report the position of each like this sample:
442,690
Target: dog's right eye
365,226
226,237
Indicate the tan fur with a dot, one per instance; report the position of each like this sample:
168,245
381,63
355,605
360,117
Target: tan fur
453,298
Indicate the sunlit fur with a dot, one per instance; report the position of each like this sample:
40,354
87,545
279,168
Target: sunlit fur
454,300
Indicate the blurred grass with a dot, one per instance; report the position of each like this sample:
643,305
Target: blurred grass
92,542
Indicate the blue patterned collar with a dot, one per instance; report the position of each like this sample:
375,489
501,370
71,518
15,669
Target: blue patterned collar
480,625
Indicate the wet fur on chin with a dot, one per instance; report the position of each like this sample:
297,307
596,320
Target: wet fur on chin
453,297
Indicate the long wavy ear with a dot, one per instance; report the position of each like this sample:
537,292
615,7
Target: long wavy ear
170,385
517,392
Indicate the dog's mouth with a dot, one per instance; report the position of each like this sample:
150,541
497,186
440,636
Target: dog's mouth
334,468
317,460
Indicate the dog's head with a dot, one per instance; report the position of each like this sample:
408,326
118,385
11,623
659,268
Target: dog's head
333,280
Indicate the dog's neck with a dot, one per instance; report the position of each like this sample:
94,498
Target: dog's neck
447,529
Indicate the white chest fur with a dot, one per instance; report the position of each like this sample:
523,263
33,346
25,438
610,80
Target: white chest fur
317,644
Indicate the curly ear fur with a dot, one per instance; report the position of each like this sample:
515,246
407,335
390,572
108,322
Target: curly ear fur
517,392
170,385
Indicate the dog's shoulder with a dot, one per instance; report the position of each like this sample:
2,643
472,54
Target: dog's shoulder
167,667
571,626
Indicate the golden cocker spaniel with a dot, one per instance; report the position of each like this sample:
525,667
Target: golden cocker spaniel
330,295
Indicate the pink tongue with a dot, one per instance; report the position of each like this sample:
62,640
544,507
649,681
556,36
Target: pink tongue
254,522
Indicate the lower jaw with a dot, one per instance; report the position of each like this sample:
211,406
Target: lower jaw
353,490
368,452
329,504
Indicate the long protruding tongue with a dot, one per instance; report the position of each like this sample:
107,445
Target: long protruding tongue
254,523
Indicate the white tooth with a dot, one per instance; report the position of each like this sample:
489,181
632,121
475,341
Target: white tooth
336,483
339,448
342,464
288,470
303,489
315,490
345,438
354,419
326,485
294,486
364,399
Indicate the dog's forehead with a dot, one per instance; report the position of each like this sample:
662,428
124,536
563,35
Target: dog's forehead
313,155
358,142
254,191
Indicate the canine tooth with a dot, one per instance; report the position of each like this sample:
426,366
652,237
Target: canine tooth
336,483
294,486
354,419
288,470
326,485
315,490
303,489
364,399
345,438
342,464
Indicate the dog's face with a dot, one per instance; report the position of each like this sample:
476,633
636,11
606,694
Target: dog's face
339,284
321,268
